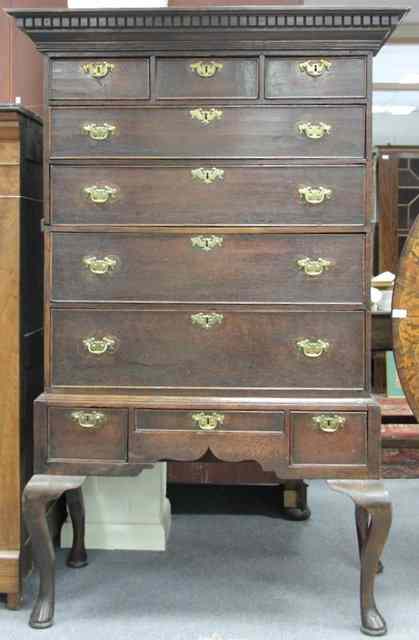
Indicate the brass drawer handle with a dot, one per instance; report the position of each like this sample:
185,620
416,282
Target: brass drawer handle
99,131
206,116
98,70
313,266
315,195
329,423
314,130
206,69
100,266
207,243
100,195
208,421
207,320
313,348
315,68
99,346
89,419
208,176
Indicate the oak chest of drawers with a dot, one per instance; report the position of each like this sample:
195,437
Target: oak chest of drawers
208,248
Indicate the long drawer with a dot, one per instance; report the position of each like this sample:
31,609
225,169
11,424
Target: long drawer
207,267
207,347
238,132
246,195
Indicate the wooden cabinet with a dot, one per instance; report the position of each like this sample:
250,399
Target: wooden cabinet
21,330
208,250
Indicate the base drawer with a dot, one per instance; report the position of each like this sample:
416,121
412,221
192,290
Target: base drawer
209,421
87,434
328,438
268,448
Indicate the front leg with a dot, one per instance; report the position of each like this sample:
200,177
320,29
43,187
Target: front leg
38,493
373,515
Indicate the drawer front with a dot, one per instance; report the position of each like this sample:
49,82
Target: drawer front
209,421
207,267
182,78
203,347
99,79
329,438
316,77
244,195
87,434
260,132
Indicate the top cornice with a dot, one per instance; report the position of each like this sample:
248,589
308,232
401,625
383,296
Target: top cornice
367,27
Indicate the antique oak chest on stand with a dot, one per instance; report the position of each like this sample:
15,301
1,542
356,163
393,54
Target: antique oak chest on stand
208,254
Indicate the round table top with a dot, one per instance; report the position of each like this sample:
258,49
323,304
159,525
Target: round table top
405,319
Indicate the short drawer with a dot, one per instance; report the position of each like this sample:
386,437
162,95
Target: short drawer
328,438
87,434
246,195
208,267
183,78
315,77
209,421
208,347
99,79
239,132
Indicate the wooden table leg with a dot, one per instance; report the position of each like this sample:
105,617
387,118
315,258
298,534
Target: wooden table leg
373,517
38,493
77,557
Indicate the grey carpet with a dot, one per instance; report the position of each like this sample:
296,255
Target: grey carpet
239,577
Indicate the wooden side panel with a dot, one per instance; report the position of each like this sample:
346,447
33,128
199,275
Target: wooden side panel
10,486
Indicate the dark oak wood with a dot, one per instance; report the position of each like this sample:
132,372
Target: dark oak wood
245,268
163,365
246,132
162,195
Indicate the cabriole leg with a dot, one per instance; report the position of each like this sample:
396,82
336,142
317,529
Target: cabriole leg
373,520
38,493
77,557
